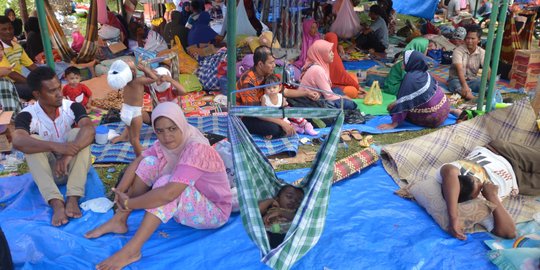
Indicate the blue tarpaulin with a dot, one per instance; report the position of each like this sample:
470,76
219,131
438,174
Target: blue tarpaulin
367,227
419,8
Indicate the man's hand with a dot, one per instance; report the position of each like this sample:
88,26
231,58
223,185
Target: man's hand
4,71
456,230
466,92
288,128
66,149
490,191
62,165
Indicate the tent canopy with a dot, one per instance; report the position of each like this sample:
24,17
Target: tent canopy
419,8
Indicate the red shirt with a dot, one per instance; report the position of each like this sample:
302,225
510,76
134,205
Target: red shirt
168,95
73,92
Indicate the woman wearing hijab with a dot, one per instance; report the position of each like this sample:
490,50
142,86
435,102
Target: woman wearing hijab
180,176
175,28
310,34
199,25
16,22
339,76
33,45
316,74
419,100
394,78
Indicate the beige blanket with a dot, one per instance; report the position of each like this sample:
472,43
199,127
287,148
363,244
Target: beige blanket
413,161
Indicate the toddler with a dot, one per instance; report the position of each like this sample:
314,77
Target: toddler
278,213
273,98
124,75
75,90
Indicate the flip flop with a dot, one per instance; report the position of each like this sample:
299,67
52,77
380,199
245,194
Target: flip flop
356,134
366,141
346,136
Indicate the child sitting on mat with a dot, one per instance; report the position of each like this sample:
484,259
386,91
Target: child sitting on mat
279,212
75,90
273,98
124,75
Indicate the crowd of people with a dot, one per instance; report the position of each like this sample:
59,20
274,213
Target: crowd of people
181,176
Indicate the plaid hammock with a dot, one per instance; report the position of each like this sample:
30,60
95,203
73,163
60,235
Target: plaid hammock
256,181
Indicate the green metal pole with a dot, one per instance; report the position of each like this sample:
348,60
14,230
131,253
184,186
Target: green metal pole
231,51
489,51
496,54
47,48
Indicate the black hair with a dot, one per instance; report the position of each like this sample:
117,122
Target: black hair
466,186
72,70
261,54
475,29
38,75
285,187
376,9
196,5
270,79
4,20
8,10
32,25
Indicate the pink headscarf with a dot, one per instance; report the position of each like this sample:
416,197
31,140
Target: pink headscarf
190,134
307,41
319,53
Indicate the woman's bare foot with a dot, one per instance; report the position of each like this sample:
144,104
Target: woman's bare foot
120,259
59,217
268,137
113,225
72,207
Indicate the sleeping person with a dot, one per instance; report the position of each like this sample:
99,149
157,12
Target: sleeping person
496,171
278,213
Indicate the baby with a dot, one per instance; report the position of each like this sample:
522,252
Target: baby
75,90
124,75
273,98
279,212
165,89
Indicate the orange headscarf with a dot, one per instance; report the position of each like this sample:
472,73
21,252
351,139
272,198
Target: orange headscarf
338,74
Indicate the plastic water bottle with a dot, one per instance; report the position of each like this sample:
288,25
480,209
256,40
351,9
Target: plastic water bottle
289,73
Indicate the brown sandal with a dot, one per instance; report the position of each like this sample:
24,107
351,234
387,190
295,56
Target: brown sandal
346,136
356,134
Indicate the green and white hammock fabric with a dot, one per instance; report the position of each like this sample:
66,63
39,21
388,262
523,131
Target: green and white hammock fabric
256,181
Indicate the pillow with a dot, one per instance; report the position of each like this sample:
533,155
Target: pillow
516,258
190,82
428,194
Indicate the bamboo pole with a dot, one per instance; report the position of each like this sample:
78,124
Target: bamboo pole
45,37
489,51
231,52
496,54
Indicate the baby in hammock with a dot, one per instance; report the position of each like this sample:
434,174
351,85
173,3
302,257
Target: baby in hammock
279,212
273,98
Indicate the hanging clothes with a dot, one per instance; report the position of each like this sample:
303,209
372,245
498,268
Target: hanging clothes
347,24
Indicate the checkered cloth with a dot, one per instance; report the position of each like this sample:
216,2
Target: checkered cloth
9,99
256,180
440,73
207,71
123,152
419,159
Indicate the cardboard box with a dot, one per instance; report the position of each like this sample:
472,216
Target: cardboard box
117,47
522,77
533,69
527,57
5,145
536,102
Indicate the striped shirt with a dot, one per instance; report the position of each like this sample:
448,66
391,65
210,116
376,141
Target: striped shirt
472,62
15,54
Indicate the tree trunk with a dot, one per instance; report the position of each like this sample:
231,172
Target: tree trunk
24,10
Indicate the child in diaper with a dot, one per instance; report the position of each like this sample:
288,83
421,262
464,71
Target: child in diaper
165,89
273,98
75,90
124,75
